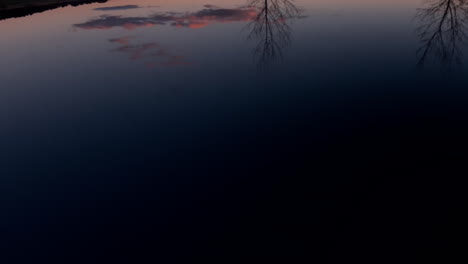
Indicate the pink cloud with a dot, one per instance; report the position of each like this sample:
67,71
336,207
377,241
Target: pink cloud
194,20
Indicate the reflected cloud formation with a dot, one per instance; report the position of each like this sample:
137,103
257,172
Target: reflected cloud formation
152,50
107,22
212,14
198,19
443,31
268,22
271,27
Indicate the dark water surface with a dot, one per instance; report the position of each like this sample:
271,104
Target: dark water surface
327,131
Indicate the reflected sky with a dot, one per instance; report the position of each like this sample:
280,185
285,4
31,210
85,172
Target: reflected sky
154,19
200,117
196,39
172,54
149,15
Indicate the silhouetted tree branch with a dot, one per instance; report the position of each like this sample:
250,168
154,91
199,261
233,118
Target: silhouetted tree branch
443,30
271,27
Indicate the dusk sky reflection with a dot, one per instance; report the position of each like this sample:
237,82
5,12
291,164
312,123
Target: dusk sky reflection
264,128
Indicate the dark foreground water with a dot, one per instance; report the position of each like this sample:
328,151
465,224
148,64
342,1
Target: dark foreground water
154,131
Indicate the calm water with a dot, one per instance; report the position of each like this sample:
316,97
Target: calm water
330,130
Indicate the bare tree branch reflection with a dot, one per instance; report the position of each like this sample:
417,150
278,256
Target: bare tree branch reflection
443,30
271,28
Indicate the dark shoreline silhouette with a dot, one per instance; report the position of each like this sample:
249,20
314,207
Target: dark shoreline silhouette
21,10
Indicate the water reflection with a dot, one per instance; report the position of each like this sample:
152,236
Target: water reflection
271,27
193,20
157,54
443,31
268,22
154,51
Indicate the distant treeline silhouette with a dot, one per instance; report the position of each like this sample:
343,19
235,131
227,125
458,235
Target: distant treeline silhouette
17,8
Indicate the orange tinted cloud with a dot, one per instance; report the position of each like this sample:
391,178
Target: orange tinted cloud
193,20
212,15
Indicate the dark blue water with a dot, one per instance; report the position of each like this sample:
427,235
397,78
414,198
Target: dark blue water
164,131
